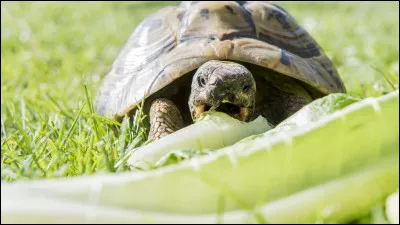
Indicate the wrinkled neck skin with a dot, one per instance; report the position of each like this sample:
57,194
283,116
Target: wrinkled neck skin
223,86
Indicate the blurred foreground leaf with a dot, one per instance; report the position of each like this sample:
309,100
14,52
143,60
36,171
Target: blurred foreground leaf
334,168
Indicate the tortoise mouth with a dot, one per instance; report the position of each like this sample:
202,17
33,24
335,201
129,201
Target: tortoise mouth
235,111
228,108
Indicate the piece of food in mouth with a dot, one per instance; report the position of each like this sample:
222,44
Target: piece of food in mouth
232,110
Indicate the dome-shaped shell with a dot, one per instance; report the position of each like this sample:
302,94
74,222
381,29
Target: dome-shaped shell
176,40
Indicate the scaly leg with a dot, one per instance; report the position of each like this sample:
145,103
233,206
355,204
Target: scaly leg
165,118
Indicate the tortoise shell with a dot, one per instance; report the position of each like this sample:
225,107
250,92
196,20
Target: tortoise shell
176,40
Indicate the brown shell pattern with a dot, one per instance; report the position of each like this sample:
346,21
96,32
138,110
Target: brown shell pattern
176,40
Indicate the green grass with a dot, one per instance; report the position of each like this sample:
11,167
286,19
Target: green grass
54,56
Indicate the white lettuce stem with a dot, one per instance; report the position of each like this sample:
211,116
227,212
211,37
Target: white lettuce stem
213,131
392,208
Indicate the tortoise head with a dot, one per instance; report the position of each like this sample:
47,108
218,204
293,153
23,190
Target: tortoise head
224,86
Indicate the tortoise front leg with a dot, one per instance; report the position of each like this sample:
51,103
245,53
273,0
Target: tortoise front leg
165,118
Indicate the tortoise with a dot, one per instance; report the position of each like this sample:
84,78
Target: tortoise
242,58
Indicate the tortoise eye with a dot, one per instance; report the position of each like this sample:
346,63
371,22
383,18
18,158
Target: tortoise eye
246,88
201,81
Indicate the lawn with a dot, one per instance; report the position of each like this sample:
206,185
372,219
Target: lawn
54,56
